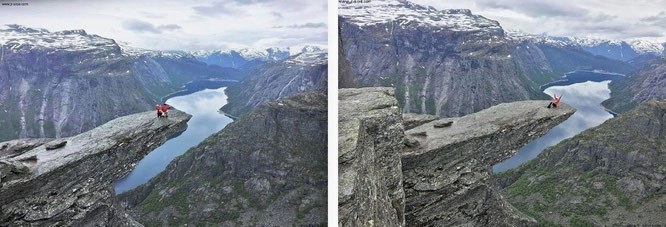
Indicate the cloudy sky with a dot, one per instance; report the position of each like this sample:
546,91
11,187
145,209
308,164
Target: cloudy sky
182,25
611,19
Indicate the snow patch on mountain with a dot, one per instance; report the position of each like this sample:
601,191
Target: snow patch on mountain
640,46
131,51
249,54
17,36
309,58
520,36
646,46
368,13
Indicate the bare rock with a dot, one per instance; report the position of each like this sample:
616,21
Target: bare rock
74,186
16,147
442,124
411,120
447,179
370,142
55,145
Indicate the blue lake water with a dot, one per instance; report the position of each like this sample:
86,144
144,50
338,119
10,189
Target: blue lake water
584,91
202,102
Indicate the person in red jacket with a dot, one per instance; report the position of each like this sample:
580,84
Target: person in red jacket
165,110
159,110
555,102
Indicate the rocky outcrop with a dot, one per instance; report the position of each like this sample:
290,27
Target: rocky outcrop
610,175
647,84
267,168
444,170
447,177
72,184
59,84
412,120
370,141
306,71
17,147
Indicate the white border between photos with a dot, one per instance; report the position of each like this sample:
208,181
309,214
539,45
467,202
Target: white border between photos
332,113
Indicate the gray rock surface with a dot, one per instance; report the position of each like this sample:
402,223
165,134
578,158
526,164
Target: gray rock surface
412,120
442,177
345,79
267,168
19,146
73,185
447,178
370,141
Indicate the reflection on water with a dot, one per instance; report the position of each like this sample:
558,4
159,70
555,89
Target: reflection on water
586,98
206,120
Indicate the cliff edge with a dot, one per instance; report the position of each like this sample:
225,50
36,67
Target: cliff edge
437,173
69,181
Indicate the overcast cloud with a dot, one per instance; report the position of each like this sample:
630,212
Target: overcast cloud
183,25
610,19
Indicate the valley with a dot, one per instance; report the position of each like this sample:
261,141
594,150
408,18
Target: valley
203,105
584,91
428,71
93,82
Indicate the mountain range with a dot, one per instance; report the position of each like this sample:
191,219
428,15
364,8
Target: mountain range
245,57
58,84
452,62
624,50
271,81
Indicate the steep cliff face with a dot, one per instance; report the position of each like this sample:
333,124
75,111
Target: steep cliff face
610,175
58,84
345,79
455,64
441,166
451,62
272,81
69,181
268,168
647,84
370,142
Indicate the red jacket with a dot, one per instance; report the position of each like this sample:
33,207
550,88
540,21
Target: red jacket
165,108
158,107
556,100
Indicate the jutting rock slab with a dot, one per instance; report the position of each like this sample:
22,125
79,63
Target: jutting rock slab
442,177
73,184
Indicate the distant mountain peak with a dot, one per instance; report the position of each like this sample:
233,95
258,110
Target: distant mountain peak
18,36
309,56
368,13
